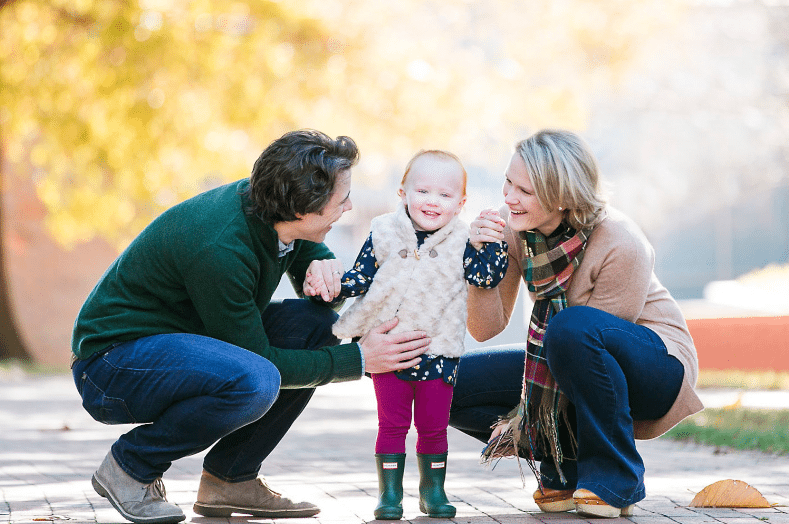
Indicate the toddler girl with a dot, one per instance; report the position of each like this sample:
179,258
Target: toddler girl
414,266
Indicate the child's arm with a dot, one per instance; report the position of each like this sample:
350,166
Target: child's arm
485,260
357,280
354,282
487,227
485,267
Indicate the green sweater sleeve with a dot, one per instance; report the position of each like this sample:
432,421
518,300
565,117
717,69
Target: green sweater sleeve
207,267
224,286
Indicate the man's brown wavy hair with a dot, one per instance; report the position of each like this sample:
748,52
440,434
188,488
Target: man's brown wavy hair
296,174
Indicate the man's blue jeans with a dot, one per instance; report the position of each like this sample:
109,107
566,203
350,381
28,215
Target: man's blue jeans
612,371
188,392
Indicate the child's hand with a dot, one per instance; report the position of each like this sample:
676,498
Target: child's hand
323,278
487,227
312,285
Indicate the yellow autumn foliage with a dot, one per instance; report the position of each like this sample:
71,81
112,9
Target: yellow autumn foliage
118,109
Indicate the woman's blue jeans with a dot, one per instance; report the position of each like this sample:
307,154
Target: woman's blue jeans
612,371
188,392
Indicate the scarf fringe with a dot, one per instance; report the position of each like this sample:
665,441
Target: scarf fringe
547,416
504,446
517,439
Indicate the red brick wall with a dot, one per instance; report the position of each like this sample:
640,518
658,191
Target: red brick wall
47,283
749,343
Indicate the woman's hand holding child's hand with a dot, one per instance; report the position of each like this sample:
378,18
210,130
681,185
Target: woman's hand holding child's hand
487,227
323,278
498,429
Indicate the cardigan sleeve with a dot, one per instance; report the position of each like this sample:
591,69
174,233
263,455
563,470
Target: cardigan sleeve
489,310
621,272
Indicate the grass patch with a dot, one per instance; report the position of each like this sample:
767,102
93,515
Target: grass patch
764,380
18,369
748,429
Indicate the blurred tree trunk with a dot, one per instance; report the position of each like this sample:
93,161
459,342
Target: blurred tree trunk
11,345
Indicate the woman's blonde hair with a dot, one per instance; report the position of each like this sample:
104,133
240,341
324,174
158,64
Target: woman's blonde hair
564,173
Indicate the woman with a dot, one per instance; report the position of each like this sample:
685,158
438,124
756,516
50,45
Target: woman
608,357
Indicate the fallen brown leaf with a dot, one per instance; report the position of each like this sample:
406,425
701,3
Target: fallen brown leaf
729,494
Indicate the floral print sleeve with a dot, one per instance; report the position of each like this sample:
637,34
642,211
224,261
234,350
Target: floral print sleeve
356,281
485,268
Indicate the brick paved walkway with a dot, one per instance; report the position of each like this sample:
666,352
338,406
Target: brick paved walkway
49,448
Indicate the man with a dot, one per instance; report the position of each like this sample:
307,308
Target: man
180,334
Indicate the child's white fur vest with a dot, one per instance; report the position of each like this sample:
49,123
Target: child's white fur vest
425,289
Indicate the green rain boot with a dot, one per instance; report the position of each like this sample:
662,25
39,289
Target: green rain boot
432,499
390,486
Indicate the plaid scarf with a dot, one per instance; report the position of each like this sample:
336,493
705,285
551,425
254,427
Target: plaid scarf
533,425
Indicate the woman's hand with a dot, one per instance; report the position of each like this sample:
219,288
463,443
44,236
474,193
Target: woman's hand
498,429
487,227
323,278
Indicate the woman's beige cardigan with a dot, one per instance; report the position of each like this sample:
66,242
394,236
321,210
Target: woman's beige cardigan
616,275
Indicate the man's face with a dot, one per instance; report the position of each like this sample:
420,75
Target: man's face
315,226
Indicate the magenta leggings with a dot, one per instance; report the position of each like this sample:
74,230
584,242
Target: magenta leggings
431,400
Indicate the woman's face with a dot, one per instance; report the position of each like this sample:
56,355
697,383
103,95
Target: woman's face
526,214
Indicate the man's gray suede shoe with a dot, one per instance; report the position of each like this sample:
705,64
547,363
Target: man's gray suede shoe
137,502
216,498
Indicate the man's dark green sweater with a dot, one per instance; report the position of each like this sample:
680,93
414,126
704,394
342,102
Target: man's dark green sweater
207,267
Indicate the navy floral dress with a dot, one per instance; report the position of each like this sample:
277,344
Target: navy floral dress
484,268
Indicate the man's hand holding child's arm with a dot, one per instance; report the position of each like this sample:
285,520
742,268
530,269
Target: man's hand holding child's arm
323,279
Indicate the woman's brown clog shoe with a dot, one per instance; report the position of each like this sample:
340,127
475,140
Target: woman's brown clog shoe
554,500
590,505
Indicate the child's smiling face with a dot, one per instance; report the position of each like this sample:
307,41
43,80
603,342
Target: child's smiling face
433,192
